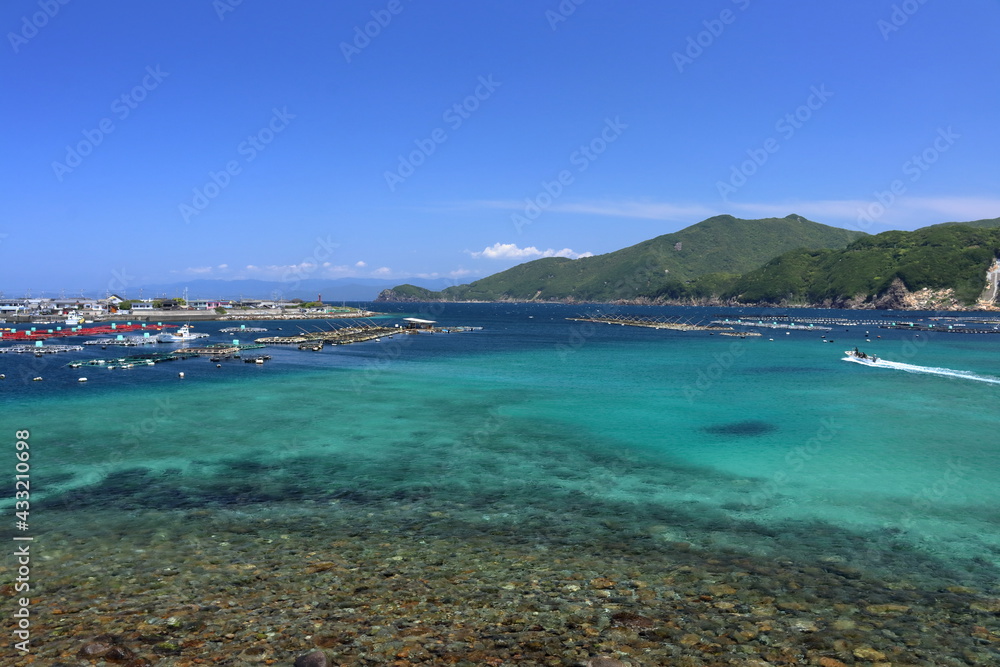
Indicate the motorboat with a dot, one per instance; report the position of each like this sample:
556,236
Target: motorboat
183,335
860,357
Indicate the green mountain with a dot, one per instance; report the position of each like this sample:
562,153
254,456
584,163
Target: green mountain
988,222
950,256
699,260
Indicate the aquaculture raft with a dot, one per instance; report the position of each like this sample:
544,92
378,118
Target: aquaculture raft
219,348
133,360
772,324
124,341
33,334
337,336
652,323
40,350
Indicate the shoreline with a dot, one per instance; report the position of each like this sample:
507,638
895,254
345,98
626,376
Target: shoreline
412,584
202,316
979,308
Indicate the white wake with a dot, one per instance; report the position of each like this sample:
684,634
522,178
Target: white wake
928,370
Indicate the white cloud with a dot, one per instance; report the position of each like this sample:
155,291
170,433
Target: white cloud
511,251
360,264
644,209
195,270
906,212
869,215
382,271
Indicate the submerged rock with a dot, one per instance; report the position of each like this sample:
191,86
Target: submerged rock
605,662
747,428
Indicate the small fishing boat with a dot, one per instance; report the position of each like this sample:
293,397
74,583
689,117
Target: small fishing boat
860,357
183,335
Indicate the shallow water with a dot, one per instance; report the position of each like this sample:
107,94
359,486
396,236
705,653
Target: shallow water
553,432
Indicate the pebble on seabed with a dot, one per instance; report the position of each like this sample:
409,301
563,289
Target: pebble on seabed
314,659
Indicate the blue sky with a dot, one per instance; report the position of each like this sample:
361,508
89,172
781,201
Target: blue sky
399,139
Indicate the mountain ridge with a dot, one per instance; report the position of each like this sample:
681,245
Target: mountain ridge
722,244
941,266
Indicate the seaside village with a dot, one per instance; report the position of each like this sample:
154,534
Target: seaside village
40,327
28,309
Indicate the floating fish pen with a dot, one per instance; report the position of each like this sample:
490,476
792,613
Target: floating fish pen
133,360
280,340
772,324
124,341
220,348
939,328
652,323
34,334
242,329
832,321
300,316
40,350
740,334
356,333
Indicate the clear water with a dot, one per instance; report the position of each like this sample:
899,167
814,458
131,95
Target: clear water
554,429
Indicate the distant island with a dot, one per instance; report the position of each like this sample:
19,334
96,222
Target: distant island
787,262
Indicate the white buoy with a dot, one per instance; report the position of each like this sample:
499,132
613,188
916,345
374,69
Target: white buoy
82,380
180,375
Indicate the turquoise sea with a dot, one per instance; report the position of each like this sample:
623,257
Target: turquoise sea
550,431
